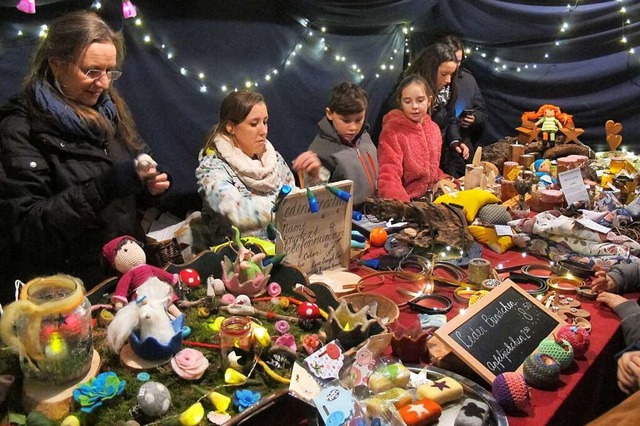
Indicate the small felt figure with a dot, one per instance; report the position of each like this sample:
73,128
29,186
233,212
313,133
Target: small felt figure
127,256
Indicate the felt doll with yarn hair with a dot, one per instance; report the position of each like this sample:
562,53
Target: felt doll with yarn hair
126,255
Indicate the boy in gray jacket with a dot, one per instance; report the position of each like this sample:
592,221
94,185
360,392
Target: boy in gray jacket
343,143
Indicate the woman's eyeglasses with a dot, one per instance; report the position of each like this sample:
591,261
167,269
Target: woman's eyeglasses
112,75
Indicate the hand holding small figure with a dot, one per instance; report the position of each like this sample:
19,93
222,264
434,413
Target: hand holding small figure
146,167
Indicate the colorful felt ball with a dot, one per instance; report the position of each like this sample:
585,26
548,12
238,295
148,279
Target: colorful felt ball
308,310
511,392
154,399
578,338
190,277
541,371
559,349
378,236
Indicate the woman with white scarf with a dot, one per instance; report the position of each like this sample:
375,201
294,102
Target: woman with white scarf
240,173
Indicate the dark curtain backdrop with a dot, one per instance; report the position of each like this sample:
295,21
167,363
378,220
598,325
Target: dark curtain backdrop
589,74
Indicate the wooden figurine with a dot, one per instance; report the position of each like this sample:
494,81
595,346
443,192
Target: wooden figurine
614,139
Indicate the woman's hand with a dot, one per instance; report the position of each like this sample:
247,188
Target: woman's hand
610,299
158,184
629,371
603,282
307,162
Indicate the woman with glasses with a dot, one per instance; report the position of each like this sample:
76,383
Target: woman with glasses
73,169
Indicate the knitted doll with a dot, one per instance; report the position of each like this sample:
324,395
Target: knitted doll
127,256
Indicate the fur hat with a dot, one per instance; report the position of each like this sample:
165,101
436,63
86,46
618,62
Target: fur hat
110,249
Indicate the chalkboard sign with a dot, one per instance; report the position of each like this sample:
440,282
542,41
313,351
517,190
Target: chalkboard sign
499,332
320,241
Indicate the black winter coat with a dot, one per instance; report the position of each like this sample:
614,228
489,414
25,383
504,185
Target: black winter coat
61,199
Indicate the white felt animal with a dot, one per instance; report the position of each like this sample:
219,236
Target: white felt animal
151,319
155,322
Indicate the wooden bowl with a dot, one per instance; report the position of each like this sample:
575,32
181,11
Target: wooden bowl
387,311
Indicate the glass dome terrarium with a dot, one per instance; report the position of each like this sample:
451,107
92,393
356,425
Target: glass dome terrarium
49,326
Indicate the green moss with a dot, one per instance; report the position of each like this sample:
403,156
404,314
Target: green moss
183,393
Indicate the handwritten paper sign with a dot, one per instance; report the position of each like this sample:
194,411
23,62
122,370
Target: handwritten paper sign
573,186
315,241
500,331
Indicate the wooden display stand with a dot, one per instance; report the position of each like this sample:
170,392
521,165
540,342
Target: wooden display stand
55,400
527,132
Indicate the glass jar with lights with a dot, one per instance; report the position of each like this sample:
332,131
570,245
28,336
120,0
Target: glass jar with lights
49,326
236,342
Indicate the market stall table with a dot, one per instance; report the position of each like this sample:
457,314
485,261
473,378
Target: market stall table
588,388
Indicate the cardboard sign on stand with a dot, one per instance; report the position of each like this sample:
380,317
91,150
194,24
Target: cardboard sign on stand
317,243
498,333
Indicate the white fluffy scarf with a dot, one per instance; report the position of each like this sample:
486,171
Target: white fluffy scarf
258,175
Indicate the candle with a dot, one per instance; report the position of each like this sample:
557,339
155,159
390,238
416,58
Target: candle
510,170
515,151
526,160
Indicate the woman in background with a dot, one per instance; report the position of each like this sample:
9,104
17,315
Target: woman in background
240,173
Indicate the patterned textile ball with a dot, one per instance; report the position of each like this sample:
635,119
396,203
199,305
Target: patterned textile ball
541,371
494,214
190,277
154,399
560,350
511,392
578,338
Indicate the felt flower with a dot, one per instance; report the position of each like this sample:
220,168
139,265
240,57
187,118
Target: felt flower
282,326
287,340
310,343
245,398
189,364
104,386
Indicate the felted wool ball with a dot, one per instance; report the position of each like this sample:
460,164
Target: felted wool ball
511,392
578,338
541,371
154,399
560,350
190,277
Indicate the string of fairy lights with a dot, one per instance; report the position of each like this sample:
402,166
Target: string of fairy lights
562,37
314,37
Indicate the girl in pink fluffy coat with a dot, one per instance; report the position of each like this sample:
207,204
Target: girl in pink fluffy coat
410,144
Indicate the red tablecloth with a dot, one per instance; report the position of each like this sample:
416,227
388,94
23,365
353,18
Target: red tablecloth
588,387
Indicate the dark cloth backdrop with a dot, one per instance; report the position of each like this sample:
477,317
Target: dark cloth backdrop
590,74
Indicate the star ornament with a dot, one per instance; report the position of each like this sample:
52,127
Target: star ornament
441,385
418,409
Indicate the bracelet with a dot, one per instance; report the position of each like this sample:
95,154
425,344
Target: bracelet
463,295
540,284
422,263
444,300
490,284
565,285
587,292
528,270
577,269
454,270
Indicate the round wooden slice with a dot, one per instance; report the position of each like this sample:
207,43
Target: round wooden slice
54,400
130,360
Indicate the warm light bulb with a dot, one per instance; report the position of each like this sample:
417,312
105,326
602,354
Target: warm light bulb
234,377
261,335
220,401
193,415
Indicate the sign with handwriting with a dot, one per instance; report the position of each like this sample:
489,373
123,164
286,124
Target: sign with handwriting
498,333
320,241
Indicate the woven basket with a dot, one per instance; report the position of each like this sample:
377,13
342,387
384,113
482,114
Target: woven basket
387,308
162,253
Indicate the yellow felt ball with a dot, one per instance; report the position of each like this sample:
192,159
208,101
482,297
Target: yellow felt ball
472,200
489,237
70,421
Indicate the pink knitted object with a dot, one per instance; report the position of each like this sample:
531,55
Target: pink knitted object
511,392
578,338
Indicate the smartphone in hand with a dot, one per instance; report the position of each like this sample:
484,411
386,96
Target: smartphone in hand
467,112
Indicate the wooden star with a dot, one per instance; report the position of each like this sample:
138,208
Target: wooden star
571,135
